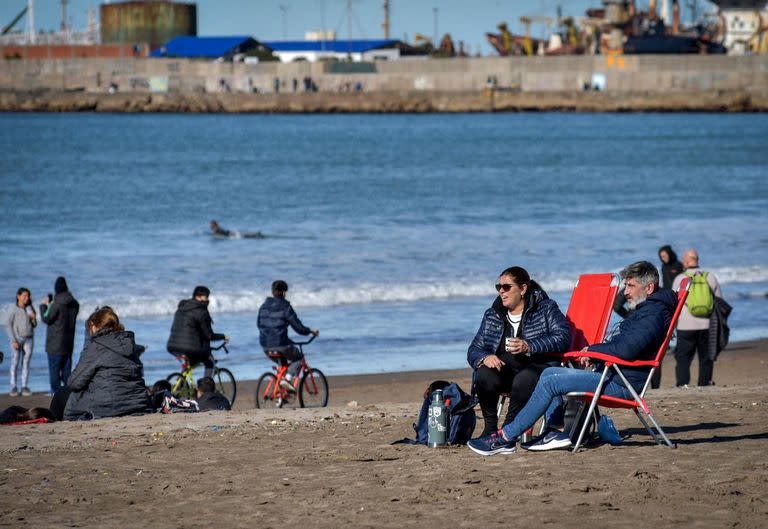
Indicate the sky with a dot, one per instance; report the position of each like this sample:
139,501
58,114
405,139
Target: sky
465,20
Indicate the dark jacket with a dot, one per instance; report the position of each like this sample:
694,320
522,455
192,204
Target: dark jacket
213,401
61,316
275,316
640,335
543,327
108,379
719,331
670,270
191,331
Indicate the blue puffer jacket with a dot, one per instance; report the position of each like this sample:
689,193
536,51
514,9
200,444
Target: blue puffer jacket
640,335
275,316
544,328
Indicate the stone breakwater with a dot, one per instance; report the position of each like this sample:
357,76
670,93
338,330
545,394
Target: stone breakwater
384,102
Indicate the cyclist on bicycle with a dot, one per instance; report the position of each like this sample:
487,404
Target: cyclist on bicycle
191,332
275,316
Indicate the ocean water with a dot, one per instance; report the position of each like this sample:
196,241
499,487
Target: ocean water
390,229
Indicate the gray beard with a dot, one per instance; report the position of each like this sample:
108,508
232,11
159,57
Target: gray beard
632,305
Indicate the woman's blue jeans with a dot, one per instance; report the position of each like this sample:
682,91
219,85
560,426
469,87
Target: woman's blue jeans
547,397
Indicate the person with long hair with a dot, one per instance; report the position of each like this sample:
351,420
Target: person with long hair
20,327
108,379
509,351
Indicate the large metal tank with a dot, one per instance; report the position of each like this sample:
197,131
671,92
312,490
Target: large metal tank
145,21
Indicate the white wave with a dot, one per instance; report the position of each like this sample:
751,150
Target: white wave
366,293
741,274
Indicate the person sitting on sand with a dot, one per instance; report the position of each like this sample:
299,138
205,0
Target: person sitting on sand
218,231
509,350
208,398
19,414
639,337
107,381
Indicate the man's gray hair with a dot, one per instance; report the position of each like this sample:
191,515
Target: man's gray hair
643,271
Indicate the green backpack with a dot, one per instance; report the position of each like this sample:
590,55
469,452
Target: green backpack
700,300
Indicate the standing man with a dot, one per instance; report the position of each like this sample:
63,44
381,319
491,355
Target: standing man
275,316
693,325
59,312
191,332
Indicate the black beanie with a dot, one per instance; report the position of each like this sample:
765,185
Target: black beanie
60,285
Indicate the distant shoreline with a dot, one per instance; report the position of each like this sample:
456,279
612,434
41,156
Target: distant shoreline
415,102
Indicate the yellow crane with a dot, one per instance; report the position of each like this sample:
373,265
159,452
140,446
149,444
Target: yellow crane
527,21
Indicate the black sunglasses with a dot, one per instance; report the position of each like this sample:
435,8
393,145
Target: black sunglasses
506,287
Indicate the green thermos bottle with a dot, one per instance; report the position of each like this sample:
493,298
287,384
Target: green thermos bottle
438,421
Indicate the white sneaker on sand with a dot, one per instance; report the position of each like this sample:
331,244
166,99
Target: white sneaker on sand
551,440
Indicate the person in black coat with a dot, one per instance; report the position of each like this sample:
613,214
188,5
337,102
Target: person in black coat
59,312
509,351
208,398
670,266
192,332
108,379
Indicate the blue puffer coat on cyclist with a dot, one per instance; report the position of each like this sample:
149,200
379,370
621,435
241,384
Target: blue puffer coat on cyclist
522,311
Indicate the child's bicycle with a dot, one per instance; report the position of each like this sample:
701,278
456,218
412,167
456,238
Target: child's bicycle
183,384
310,385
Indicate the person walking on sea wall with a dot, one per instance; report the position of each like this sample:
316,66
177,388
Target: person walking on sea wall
59,312
693,325
20,326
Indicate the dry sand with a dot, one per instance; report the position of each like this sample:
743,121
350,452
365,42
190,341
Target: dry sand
335,467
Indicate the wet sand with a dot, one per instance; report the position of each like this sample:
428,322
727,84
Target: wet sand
334,466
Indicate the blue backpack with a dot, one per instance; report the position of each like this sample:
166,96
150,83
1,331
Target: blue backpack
461,414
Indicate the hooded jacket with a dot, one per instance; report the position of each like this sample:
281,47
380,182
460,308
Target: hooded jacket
543,327
275,316
61,316
640,335
108,379
191,331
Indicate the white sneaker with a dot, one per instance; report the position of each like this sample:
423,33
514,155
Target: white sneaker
286,384
551,440
14,392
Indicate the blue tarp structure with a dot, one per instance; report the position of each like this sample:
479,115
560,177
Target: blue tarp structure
336,46
205,47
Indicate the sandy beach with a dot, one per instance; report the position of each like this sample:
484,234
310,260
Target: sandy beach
335,466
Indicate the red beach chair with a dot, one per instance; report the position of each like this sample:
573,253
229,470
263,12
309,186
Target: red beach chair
589,312
638,403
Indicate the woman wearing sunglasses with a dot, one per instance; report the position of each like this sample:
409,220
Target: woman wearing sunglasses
510,349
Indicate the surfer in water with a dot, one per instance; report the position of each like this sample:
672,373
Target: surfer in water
218,231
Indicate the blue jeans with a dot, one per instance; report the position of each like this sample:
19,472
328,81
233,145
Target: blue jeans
547,397
59,368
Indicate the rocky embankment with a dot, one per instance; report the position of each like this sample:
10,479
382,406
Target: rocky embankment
384,102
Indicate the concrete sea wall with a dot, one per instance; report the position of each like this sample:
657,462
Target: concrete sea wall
625,83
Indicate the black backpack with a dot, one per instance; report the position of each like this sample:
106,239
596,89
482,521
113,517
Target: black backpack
461,414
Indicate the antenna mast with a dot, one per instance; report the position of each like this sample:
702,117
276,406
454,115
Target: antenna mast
385,25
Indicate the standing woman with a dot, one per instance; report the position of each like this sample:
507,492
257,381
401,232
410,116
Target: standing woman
59,312
20,326
108,379
510,349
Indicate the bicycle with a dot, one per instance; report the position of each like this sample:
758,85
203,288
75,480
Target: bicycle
183,384
310,384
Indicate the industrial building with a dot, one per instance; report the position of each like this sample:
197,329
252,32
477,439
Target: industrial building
354,50
144,21
216,48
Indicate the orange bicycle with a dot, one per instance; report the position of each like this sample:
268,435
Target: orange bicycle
310,385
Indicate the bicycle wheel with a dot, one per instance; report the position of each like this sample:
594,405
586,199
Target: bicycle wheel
313,389
180,386
264,389
225,383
